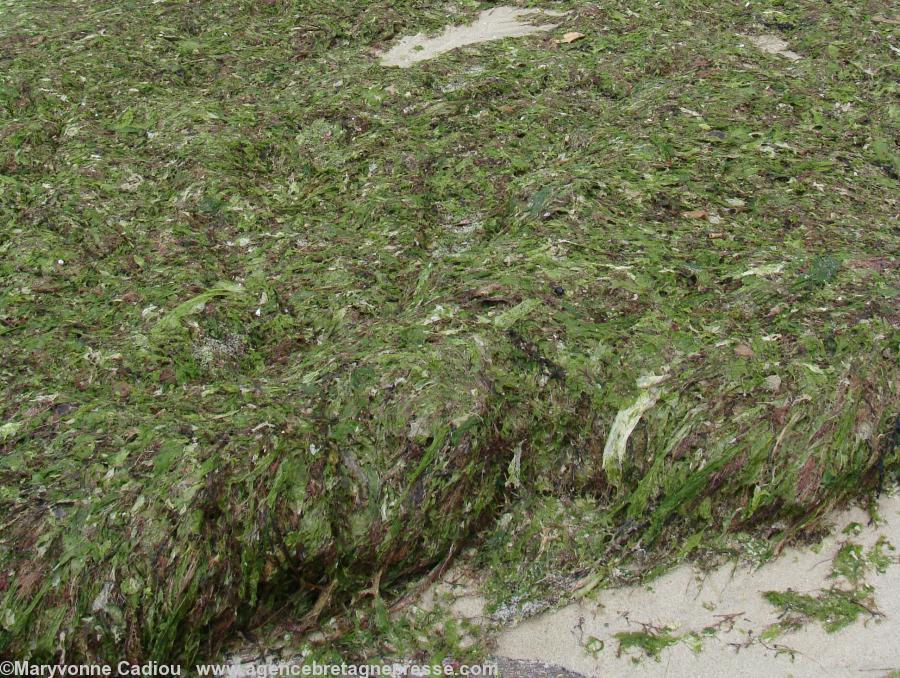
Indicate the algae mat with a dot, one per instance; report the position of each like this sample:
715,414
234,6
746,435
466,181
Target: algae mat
280,325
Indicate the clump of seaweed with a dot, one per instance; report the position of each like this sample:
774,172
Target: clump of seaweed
834,608
651,641
841,604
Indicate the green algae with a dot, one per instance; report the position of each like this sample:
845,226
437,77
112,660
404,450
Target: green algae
276,319
841,604
834,608
650,642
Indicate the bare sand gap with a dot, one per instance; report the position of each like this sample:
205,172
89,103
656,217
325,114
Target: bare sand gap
492,24
687,600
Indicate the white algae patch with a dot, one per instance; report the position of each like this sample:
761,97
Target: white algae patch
627,419
492,24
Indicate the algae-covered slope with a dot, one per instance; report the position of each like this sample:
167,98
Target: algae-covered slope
278,322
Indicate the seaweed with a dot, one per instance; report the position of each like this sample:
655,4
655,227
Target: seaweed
277,322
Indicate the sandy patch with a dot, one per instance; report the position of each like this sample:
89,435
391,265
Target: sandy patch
492,24
686,600
772,44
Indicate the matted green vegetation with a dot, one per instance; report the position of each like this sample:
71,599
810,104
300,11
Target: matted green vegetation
278,322
841,604
651,641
